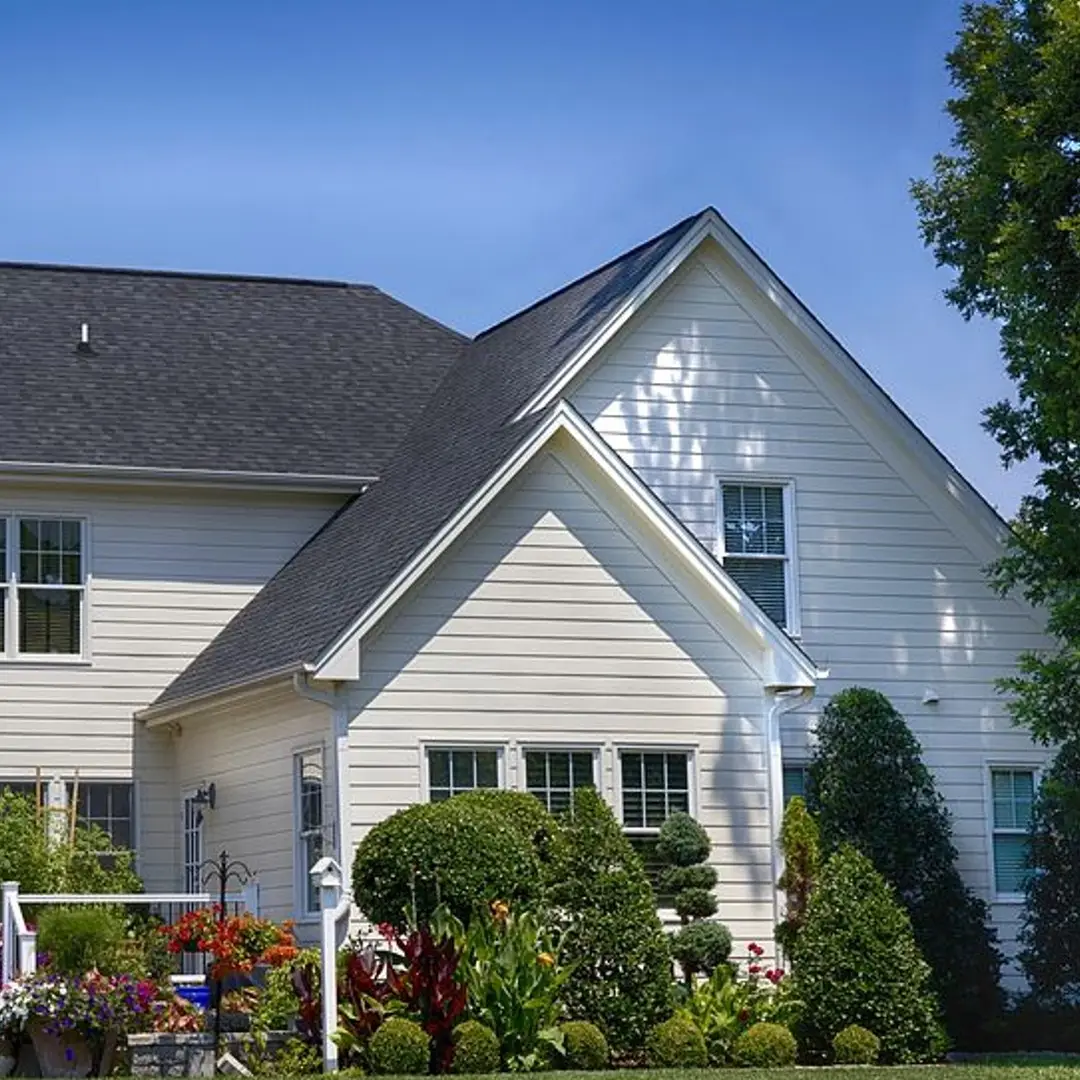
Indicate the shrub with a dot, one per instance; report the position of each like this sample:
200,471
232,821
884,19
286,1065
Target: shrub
701,946
295,1058
676,1044
610,933
524,813
1050,936
464,853
856,961
79,939
870,788
765,1046
584,1046
682,841
476,1048
400,1047
855,1046
800,843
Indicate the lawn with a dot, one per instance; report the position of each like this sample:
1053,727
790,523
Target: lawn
1033,1067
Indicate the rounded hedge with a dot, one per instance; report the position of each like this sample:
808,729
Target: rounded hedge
676,1044
765,1046
855,1046
463,852
701,946
682,841
695,904
674,879
476,1048
584,1046
400,1047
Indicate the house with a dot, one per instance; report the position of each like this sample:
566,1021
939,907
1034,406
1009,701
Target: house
285,556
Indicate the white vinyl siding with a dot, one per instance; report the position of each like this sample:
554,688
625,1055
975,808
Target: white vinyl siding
452,771
546,628
1012,792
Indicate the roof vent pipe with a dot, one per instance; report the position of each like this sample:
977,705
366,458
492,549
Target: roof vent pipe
84,347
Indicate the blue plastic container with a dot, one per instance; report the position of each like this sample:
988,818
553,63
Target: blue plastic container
197,993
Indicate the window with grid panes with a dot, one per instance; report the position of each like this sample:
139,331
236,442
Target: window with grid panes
47,585
552,775
309,825
795,779
109,806
450,772
655,785
1012,792
755,545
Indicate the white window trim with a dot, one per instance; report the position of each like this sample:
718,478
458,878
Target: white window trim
9,653
300,872
991,765
426,747
691,752
791,537
561,747
185,797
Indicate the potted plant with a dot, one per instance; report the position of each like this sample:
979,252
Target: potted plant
14,1012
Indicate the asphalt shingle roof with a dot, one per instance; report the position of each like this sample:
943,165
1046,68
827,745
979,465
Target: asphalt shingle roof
204,372
458,442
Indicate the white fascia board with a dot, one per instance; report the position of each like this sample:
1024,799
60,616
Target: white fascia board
779,662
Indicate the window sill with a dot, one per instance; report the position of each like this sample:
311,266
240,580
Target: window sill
46,660
1009,899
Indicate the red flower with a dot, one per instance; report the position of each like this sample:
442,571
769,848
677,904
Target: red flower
755,949
754,969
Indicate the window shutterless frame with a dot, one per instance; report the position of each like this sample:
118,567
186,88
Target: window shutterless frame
540,771
464,746
309,824
793,619
691,755
993,830
39,570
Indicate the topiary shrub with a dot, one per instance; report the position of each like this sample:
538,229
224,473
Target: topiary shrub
682,841
476,1049
856,961
676,1044
701,946
400,1047
611,935
855,1046
801,845
765,1046
869,788
1050,935
79,939
464,852
584,1046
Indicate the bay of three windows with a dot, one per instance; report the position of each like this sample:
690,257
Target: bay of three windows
42,586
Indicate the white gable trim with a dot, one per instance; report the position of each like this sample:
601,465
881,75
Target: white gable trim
767,650
868,406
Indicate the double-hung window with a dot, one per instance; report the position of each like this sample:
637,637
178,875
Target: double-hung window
108,806
756,537
452,771
1012,791
795,781
553,775
43,593
308,779
655,785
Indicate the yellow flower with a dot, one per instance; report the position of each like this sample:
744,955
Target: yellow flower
500,910
545,959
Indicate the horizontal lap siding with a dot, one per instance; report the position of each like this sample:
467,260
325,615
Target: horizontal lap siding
168,571
891,598
548,626
246,750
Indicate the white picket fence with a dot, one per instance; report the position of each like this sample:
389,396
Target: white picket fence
19,942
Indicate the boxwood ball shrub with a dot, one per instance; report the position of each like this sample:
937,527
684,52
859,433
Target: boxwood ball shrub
856,961
765,1046
400,1047
464,852
676,1044
610,934
584,1046
701,946
855,1046
476,1048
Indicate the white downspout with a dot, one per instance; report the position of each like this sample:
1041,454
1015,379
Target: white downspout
781,701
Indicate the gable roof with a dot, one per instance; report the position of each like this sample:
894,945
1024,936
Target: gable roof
463,435
187,371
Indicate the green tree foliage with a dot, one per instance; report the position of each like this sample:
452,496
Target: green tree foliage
464,853
801,844
1001,210
80,939
91,864
1050,937
611,934
870,788
856,962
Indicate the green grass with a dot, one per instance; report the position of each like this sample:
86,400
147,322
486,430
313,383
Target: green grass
1018,1067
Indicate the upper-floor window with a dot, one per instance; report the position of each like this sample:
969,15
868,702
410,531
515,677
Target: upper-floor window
796,778
757,547
655,785
43,593
1012,791
553,775
452,771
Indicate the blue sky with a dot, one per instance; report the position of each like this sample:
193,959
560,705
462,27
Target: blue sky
469,157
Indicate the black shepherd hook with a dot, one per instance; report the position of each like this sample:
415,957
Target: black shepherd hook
221,871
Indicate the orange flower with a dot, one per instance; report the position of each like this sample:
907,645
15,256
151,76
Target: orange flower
545,959
500,910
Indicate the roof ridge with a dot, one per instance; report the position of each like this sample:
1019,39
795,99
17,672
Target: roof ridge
591,273
424,316
198,275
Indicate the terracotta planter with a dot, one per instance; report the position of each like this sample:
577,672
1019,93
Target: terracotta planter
69,1054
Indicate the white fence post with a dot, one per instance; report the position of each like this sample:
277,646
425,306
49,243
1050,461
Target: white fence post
335,904
20,943
10,892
